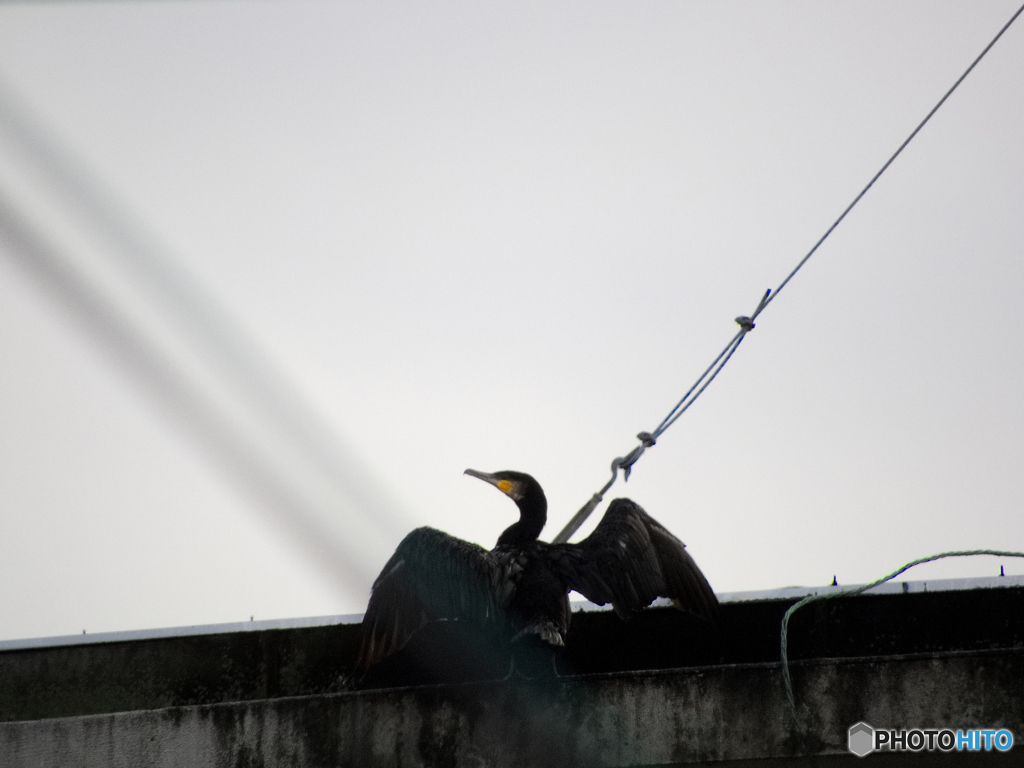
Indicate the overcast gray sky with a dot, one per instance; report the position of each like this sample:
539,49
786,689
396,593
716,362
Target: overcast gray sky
509,237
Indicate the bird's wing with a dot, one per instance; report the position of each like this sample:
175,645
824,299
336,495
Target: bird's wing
630,559
431,576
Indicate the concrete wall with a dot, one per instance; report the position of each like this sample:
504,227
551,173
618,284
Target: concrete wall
156,673
698,716
664,689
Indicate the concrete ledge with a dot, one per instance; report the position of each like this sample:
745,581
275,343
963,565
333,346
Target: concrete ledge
697,716
161,633
182,671
782,593
662,689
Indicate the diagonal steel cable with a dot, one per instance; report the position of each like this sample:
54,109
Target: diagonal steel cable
647,439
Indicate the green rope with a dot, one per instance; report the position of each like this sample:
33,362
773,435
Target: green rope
784,639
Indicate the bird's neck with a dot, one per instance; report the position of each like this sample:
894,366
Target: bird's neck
533,513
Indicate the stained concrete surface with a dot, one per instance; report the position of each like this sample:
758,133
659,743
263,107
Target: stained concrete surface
679,717
664,689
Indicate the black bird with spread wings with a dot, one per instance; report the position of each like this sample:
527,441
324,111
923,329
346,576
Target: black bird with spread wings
522,585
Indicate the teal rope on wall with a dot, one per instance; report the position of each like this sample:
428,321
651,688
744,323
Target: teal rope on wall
784,637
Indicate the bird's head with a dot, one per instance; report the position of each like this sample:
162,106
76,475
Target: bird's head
528,496
515,485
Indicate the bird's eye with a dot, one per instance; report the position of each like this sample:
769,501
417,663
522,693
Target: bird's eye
504,486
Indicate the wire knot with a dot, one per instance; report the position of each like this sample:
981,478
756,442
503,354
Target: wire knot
625,463
747,323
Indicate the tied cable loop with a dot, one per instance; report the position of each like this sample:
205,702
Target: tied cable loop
784,634
747,323
649,439
625,463
746,326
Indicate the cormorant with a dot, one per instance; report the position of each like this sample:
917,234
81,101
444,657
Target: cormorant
522,585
